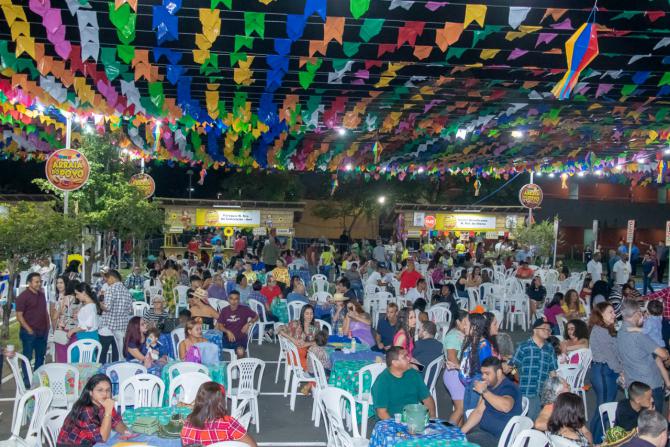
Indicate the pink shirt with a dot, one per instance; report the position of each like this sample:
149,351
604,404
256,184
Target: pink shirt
552,312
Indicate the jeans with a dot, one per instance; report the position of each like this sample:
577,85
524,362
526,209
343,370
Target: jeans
471,397
534,407
659,398
646,284
603,379
33,343
108,341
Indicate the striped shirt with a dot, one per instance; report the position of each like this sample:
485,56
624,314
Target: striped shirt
534,364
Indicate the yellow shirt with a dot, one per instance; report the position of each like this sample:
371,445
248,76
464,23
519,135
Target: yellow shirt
251,277
428,248
327,258
460,248
405,255
281,275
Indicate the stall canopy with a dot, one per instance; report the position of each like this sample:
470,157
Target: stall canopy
377,87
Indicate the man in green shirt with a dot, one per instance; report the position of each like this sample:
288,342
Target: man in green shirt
399,385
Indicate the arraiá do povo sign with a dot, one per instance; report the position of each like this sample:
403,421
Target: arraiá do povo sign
67,169
530,195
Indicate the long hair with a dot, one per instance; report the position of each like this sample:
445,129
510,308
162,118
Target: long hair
490,316
597,319
209,405
70,285
302,316
133,334
85,400
600,287
478,327
188,327
403,323
65,280
581,329
555,301
568,412
83,287
571,297
460,316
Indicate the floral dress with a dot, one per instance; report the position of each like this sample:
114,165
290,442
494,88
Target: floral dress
296,331
169,283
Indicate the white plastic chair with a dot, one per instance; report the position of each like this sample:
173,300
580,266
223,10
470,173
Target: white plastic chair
42,398
180,297
181,368
321,382
585,356
294,309
319,283
188,384
439,314
281,360
430,376
124,371
51,425
263,321
17,363
296,374
322,297
89,351
608,409
56,378
147,391
365,397
152,291
524,405
514,426
248,384
177,335
378,304
323,324
335,402
561,321
520,313
532,438
139,307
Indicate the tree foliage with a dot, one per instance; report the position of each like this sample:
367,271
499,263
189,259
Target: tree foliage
539,235
28,230
262,186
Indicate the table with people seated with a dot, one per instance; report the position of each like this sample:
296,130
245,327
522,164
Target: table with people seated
389,433
163,414
344,375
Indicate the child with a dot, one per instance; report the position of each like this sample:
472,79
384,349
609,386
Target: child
653,328
321,340
154,347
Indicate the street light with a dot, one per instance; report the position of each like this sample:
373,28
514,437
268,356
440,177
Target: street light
381,200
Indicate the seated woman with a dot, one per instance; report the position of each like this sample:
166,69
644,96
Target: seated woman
301,332
209,422
567,420
134,344
553,387
572,306
93,416
358,323
156,315
474,279
193,335
338,312
200,307
281,274
576,337
461,284
536,293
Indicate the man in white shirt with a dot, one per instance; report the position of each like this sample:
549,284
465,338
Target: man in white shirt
621,270
381,275
420,291
595,268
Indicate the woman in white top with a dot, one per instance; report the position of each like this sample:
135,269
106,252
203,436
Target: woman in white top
88,317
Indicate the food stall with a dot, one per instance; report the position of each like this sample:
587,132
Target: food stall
223,218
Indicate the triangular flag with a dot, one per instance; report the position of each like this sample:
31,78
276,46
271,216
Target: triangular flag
474,13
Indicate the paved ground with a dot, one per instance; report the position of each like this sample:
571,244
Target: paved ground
279,426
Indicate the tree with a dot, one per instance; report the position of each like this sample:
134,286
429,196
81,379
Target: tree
539,235
262,185
351,200
28,230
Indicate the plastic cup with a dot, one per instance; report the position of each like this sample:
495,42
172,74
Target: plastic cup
398,418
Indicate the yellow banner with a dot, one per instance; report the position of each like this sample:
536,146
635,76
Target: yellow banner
465,222
227,218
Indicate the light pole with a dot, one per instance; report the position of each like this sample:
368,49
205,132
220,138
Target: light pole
190,185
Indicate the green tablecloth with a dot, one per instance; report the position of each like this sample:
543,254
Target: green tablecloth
138,294
279,309
344,375
217,372
163,414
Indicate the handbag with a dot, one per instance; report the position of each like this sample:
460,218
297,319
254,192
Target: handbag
60,337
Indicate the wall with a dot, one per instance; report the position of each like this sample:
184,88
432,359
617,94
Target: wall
310,226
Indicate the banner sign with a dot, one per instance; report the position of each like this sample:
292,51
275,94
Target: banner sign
531,195
466,222
145,183
429,222
225,218
630,232
67,169
419,219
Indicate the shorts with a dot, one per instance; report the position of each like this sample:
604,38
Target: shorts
240,342
453,384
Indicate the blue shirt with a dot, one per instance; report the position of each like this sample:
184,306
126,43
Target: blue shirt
386,332
293,296
259,267
493,421
534,364
653,328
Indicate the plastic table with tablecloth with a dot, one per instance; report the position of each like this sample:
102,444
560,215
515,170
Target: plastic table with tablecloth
217,372
389,433
344,375
163,414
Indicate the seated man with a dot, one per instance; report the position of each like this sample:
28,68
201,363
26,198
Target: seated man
426,348
628,410
399,385
652,430
235,321
500,401
524,271
386,327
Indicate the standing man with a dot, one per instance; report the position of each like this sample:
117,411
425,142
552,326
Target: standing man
621,270
662,256
535,360
31,311
270,254
240,245
379,252
638,351
114,319
312,255
595,268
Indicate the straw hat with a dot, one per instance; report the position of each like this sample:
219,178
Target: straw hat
338,297
200,293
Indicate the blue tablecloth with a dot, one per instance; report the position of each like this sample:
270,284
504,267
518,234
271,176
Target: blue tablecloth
149,440
388,433
370,356
213,336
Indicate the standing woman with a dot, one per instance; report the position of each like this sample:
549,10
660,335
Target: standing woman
88,317
452,344
66,309
405,329
93,416
606,366
476,348
61,282
536,295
